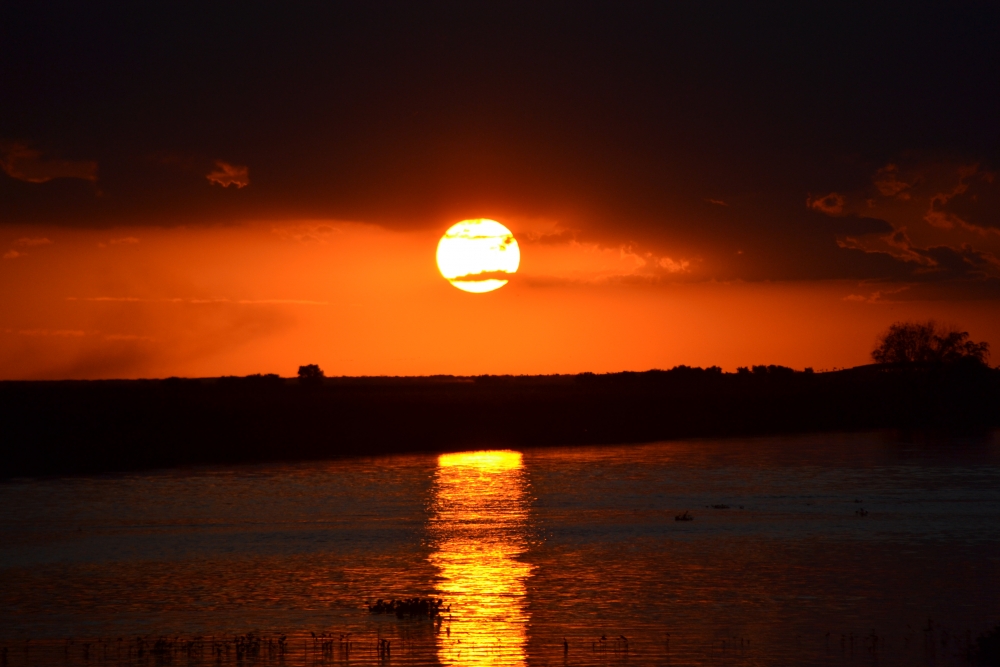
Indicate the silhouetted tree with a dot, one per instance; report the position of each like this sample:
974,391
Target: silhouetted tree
909,342
311,374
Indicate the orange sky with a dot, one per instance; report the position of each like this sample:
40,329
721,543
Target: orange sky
362,300
688,185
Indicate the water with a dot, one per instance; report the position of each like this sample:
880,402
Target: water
528,549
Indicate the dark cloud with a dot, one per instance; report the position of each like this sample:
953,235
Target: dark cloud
226,174
947,290
928,264
858,225
688,130
26,164
553,237
972,203
963,262
831,204
889,184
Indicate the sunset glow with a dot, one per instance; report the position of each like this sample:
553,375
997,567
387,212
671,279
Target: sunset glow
499,334
133,302
215,228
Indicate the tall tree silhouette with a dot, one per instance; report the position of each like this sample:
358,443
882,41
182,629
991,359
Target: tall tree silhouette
910,342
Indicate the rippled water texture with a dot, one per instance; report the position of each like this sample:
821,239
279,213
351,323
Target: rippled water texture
479,528
551,556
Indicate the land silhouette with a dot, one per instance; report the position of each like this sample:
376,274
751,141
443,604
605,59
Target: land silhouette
67,427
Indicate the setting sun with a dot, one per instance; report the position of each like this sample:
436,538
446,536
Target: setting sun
476,255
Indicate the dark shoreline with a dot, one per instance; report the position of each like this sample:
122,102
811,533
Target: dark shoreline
85,427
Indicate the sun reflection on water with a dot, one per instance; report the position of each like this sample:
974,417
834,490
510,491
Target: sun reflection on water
479,520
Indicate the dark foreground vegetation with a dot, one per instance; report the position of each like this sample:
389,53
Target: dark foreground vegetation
98,426
420,639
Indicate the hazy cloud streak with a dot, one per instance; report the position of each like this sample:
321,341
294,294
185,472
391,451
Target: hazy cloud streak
251,302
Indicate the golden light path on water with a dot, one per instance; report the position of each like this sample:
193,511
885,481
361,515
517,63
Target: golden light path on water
478,525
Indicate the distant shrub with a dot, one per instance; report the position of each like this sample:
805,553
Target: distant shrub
311,374
175,381
771,369
254,380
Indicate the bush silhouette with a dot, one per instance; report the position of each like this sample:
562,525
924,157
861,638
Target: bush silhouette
924,342
311,374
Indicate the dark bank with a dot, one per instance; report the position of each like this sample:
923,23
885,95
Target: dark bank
68,427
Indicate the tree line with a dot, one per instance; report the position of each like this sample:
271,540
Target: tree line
927,342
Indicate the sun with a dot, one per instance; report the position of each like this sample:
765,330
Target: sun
478,255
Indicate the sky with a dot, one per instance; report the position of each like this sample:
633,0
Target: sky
233,188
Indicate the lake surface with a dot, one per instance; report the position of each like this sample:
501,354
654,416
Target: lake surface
539,554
